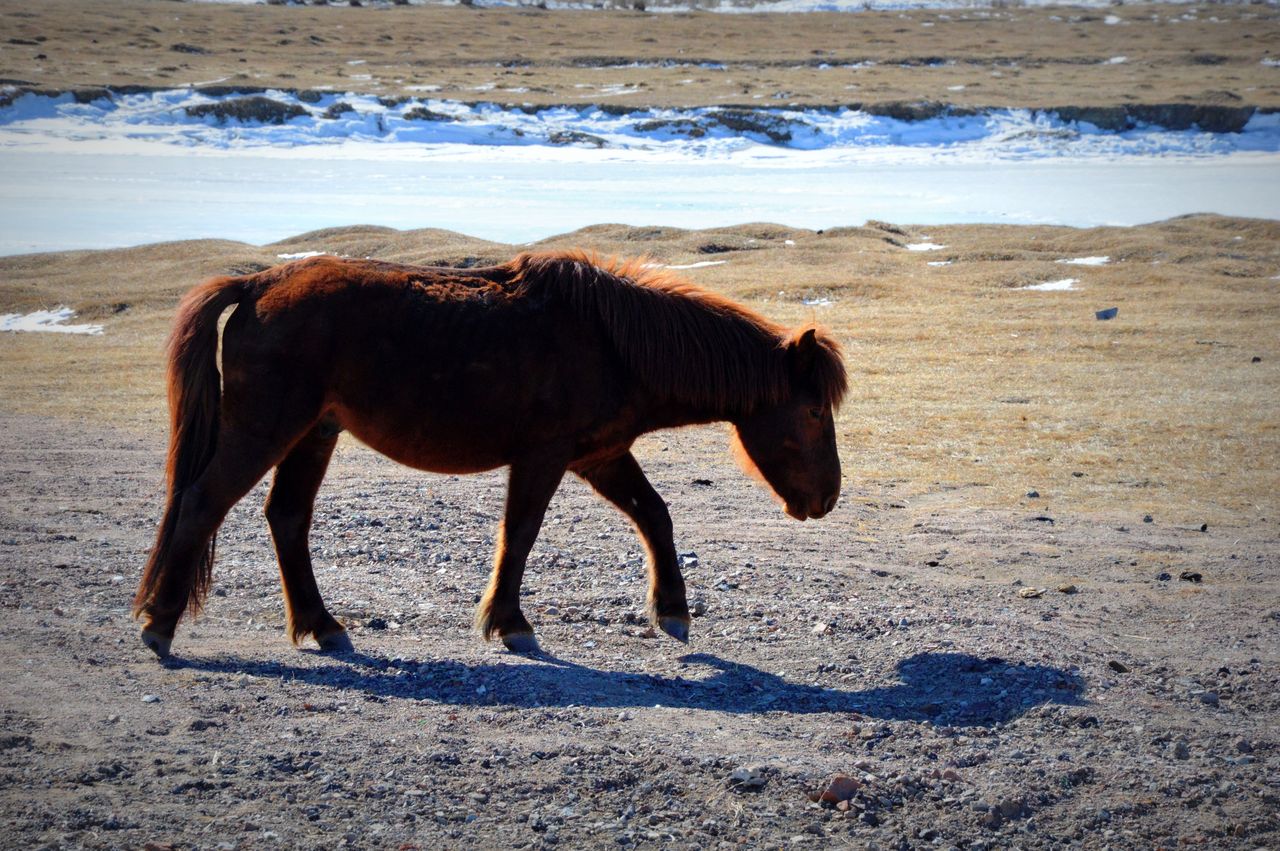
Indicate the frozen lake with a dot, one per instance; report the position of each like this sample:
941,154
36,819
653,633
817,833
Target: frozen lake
138,168
60,200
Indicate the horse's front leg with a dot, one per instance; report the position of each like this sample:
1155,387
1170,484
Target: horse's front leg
622,482
531,485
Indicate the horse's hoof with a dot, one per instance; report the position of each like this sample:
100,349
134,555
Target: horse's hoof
336,642
158,643
677,628
521,642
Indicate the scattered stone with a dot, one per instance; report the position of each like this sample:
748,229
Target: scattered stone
1030,593
1067,588
822,628
951,775
1033,494
1147,518
688,560
1011,808
1118,667
1108,313
840,789
747,779
150,698
1163,576
1209,698
1179,750
376,623
1190,576
1244,746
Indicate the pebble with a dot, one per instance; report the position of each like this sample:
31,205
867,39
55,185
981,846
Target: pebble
840,788
1180,750
1030,593
151,698
1209,698
747,778
1118,667
1067,588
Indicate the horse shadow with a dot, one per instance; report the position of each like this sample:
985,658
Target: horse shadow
947,688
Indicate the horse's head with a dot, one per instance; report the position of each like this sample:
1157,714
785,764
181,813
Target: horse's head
791,444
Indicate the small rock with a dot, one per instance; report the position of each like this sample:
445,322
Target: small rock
698,608
1244,746
839,789
822,629
1146,518
992,818
1067,588
376,623
747,779
150,698
1190,576
1209,698
1011,807
1118,667
688,559
1179,750
1163,576
1033,494
951,775
1030,593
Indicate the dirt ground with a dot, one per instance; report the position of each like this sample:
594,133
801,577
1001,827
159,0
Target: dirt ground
888,644
1045,58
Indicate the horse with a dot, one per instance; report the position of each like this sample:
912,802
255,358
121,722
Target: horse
548,363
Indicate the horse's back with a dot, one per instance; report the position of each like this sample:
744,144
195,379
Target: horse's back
443,369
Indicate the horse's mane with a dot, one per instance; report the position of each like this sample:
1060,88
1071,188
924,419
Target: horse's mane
675,337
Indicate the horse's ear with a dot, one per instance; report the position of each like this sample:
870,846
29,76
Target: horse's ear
802,351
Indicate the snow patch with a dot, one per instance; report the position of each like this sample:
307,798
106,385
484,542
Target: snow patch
301,255
1054,286
939,262
701,264
1086,261
46,320
925,246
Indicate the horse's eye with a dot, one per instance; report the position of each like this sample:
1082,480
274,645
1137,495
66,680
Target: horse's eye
816,413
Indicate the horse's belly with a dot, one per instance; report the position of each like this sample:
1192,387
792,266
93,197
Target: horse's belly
438,449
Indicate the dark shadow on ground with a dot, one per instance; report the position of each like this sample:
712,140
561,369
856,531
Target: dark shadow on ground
949,688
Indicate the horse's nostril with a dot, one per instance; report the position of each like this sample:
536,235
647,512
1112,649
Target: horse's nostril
829,504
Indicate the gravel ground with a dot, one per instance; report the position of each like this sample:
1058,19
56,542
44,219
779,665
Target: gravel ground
888,659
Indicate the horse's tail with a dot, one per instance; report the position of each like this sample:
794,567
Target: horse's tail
195,395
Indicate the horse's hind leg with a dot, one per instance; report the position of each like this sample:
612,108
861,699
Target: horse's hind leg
289,509
237,464
622,482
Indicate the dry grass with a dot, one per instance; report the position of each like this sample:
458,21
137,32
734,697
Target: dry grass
1010,57
959,379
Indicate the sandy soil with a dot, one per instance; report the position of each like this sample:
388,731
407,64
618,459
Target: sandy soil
1037,58
888,643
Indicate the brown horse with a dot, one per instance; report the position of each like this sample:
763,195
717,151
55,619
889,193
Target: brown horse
547,363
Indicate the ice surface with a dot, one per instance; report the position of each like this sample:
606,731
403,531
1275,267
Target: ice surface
52,321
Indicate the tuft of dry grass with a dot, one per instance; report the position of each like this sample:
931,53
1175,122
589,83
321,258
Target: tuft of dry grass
961,381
